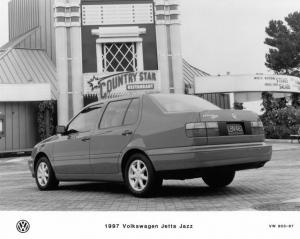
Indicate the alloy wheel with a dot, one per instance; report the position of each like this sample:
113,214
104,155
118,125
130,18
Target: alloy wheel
138,175
43,174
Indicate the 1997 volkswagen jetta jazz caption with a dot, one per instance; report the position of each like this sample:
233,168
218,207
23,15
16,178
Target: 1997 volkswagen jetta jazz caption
143,140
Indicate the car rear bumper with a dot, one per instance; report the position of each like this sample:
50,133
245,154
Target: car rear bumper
251,155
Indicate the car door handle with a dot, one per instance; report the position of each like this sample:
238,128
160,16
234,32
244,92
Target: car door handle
85,139
127,132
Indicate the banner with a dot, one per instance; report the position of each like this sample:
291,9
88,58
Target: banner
109,85
247,83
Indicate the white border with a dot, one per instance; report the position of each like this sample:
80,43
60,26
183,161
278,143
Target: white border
246,225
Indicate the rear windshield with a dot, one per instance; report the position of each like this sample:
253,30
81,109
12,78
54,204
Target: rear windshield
182,103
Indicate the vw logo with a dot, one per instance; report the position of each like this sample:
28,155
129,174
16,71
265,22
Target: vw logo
23,226
234,116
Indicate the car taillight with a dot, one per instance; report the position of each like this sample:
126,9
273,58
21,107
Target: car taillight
195,130
257,127
202,129
212,129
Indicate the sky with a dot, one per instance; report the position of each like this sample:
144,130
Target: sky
221,36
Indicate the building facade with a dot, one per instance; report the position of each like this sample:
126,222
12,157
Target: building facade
74,52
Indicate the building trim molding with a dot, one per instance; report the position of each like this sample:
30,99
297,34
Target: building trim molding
118,32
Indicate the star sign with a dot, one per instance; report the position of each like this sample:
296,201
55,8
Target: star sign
94,83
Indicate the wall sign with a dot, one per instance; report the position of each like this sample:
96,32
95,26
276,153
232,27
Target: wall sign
117,14
109,85
247,83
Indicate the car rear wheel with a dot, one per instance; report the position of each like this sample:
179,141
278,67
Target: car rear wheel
219,179
140,176
44,175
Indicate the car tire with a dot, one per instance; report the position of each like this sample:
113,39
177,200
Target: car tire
219,179
140,177
44,175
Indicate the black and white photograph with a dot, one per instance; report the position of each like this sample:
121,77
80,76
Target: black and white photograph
144,118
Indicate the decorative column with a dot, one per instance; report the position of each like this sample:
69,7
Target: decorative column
68,58
169,45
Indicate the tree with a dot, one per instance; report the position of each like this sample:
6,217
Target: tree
284,40
284,55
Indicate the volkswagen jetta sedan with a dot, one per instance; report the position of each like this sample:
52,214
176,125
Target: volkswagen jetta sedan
143,140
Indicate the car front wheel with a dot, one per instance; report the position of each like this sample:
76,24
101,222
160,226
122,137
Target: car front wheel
140,176
44,175
219,179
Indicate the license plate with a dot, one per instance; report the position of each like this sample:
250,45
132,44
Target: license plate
235,129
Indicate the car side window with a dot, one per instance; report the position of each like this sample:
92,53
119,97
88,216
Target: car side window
114,114
86,120
132,112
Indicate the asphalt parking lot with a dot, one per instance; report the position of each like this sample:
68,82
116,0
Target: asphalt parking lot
273,187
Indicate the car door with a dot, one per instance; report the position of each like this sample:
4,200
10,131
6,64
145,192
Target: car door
71,152
116,129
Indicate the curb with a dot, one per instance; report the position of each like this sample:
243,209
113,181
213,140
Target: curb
4,155
281,141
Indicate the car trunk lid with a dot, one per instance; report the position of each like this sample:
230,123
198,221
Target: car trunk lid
235,126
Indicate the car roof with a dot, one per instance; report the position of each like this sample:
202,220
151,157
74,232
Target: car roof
131,96
125,97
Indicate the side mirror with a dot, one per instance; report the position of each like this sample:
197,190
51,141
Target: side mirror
60,129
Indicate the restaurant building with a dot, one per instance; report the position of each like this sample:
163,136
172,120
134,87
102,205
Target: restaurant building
74,52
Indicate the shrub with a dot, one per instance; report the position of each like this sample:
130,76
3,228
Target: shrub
280,123
280,131
46,119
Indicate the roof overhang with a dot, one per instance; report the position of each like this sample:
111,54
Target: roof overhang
26,74
25,92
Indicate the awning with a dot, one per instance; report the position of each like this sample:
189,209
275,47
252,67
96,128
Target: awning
26,74
190,73
27,69
25,92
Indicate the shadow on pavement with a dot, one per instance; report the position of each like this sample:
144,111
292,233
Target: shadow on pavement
95,187
167,191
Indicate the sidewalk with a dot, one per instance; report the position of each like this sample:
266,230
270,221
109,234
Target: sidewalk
282,144
295,141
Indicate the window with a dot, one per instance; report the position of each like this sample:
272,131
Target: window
118,57
132,112
114,114
60,9
60,19
174,17
160,8
160,17
86,120
173,7
183,103
119,49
